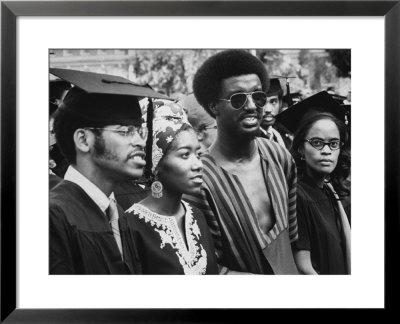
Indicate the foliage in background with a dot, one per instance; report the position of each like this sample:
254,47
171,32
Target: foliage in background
342,60
172,71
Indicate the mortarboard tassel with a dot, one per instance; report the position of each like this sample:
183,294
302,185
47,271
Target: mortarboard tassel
150,113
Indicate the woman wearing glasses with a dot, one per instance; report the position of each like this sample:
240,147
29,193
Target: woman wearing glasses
172,237
319,149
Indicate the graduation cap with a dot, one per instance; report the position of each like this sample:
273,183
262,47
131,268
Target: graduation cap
320,102
275,88
102,98
98,83
288,97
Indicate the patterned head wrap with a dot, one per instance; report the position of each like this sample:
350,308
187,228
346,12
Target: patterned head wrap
168,121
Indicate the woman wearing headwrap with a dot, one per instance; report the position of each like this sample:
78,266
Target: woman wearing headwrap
172,236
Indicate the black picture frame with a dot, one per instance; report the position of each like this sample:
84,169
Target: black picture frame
11,10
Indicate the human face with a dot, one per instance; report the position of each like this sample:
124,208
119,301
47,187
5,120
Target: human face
246,120
180,170
321,163
206,134
52,135
119,157
271,109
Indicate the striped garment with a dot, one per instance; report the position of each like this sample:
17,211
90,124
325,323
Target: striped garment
240,244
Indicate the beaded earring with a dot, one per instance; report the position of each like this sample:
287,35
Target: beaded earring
156,188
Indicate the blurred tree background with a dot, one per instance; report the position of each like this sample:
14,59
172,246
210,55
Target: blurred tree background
171,71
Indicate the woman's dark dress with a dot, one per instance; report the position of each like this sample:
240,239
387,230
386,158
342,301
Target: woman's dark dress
319,228
160,245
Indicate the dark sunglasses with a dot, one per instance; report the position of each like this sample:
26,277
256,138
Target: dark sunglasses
238,100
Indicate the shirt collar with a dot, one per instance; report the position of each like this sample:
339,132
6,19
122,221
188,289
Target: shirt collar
266,131
89,187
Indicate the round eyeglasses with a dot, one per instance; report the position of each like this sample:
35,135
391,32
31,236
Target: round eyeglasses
238,100
319,144
127,131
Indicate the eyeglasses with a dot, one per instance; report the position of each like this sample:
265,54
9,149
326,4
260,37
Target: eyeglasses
320,144
128,131
238,100
202,129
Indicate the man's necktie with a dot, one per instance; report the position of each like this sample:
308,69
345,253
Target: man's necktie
112,213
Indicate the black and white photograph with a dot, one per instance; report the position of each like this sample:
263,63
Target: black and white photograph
200,161
252,142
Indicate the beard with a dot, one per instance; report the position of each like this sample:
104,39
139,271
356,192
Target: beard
100,150
266,123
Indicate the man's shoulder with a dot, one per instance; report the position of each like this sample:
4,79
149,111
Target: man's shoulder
275,153
66,195
209,163
69,205
271,146
64,188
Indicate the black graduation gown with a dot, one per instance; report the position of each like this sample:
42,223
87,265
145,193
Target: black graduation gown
318,228
128,193
54,180
81,240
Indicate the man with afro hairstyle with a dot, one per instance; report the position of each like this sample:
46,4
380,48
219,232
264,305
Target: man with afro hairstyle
248,193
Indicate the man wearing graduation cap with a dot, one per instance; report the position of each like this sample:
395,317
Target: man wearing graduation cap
248,194
99,129
269,128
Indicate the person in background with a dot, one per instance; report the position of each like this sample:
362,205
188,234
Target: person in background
53,178
172,237
249,191
202,122
320,151
269,128
99,129
57,163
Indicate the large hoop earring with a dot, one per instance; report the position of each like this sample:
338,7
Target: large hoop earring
156,189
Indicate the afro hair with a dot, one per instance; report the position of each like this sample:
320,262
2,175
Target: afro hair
207,80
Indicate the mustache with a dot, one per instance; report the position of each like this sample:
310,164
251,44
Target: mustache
140,153
257,115
269,114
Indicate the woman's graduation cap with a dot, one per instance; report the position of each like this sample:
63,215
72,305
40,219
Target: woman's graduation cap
320,102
